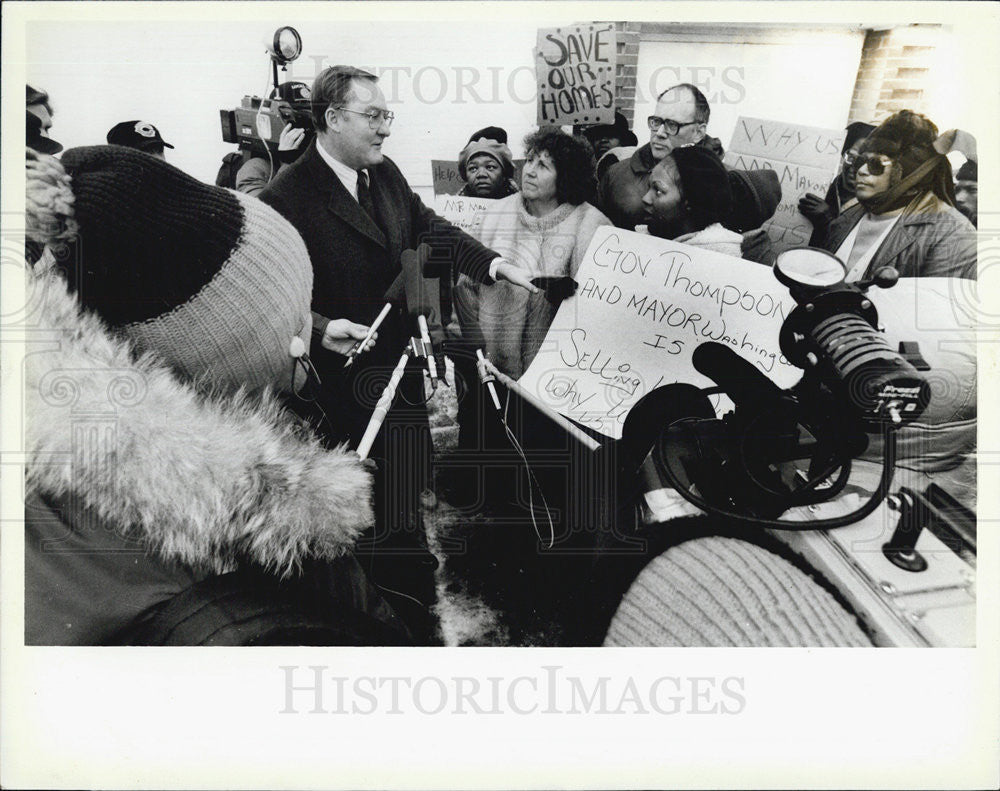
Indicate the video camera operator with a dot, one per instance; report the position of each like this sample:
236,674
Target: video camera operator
257,171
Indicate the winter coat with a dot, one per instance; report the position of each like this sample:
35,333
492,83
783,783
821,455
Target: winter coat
715,237
256,173
931,239
506,320
623,185
354,263
139,487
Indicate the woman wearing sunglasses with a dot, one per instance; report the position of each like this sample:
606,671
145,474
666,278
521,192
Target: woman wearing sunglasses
905,216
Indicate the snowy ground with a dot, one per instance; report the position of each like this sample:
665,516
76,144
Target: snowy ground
485,594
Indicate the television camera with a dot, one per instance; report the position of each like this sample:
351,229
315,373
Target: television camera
257,123
779,449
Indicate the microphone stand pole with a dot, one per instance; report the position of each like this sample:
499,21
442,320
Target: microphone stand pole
418,348
570,428
382,407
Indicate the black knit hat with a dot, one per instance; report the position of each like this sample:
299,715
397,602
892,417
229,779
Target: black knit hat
496,133
215,282
618,129
968,172
856,131
756,195
705,185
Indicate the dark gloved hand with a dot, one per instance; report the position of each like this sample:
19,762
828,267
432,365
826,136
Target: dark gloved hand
556,288
816,210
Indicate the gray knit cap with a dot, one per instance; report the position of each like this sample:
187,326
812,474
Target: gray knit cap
725,592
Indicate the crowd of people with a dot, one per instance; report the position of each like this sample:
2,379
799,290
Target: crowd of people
228,506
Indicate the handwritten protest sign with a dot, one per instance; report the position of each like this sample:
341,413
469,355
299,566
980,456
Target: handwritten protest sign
575,69
448,181
466,213
642,307
806,159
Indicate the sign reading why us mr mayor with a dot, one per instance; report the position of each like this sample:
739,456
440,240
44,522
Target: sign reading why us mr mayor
642,306
575,69
806,159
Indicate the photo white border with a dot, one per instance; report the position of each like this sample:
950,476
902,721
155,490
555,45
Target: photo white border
209,718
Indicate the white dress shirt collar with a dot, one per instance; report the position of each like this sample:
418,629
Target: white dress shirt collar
348,176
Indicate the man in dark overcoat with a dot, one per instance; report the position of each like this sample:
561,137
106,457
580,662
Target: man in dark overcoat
356,213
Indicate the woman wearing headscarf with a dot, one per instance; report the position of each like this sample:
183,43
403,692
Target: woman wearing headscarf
906,216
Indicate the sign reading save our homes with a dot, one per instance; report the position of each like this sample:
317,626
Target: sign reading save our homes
575,72
806,159
642,306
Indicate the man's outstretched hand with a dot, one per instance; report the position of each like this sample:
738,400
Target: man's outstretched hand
516,275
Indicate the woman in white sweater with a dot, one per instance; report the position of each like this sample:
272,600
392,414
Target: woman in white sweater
545,229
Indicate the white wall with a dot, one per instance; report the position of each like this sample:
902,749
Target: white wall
444,81
804,76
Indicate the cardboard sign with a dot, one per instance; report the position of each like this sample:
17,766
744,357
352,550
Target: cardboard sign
465,213
448,181
806,159
642,306
575,69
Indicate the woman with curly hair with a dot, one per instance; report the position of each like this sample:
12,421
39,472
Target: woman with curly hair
544,229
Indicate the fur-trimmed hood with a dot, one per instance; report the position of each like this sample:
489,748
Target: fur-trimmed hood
206,481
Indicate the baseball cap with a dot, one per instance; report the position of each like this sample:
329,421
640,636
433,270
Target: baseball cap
141,135
292,91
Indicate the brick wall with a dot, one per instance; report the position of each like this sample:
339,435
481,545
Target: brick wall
893,73
627,47
625,71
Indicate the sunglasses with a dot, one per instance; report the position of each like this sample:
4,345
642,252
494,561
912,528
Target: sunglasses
877,163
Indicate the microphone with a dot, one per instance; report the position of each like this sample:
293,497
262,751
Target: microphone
486,377
741,380
423,296
394,295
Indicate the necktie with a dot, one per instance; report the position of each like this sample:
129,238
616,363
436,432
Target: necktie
365,196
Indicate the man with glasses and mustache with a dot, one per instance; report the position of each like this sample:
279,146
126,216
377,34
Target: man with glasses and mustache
356,213
905,216
680,119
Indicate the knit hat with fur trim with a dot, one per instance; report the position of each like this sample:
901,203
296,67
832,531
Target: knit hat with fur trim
907,138
215,282
485,145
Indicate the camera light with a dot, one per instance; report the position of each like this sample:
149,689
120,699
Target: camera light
286,45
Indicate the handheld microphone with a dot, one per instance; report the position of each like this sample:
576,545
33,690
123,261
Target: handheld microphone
741,380
394,295
487,378
423,295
